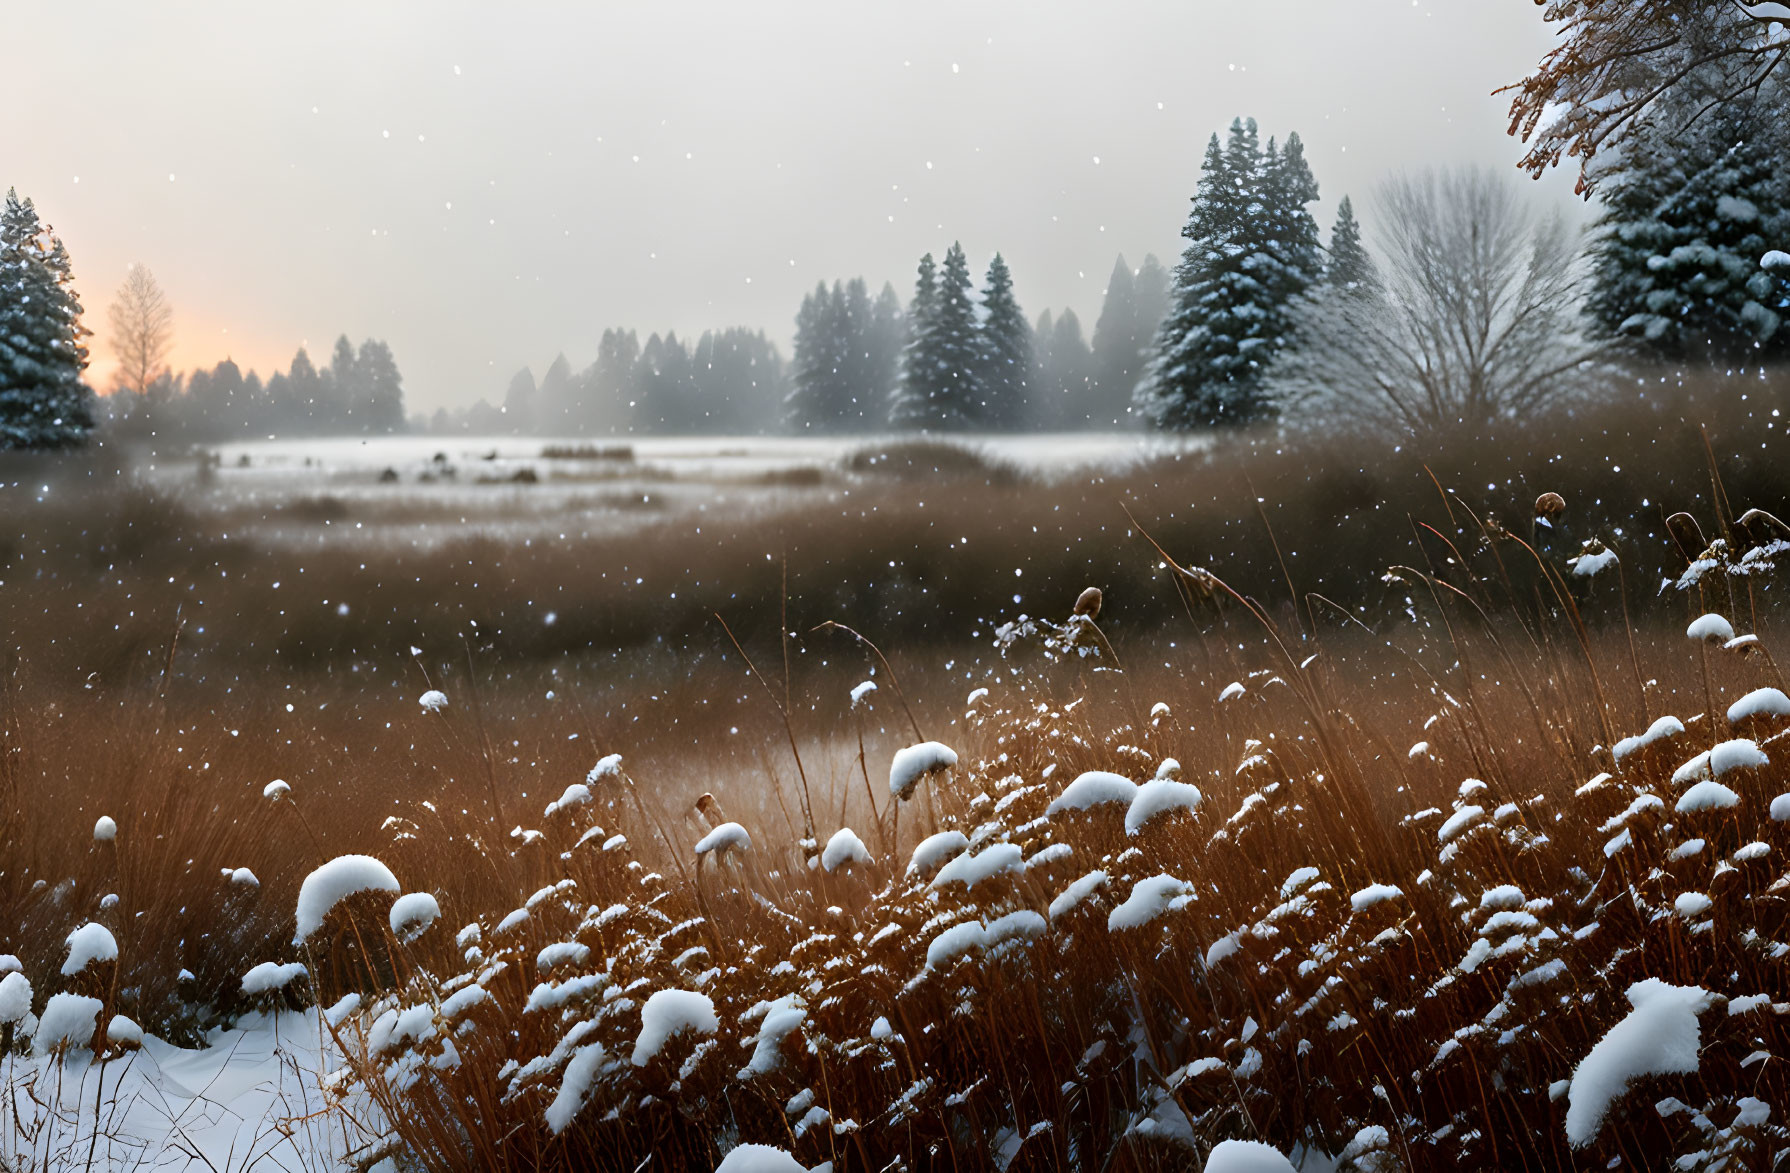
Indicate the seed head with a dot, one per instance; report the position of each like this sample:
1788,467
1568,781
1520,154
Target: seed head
1088,603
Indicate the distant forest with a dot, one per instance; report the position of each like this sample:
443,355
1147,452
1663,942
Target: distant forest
856,366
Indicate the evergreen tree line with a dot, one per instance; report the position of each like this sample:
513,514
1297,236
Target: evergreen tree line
954,360
43,401
360,392
729,382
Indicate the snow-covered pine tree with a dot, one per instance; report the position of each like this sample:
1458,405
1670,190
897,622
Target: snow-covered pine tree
1004,372
958,401
43,402
1253,247
1689,207
910,405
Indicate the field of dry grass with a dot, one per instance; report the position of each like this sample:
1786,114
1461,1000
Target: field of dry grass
1359,670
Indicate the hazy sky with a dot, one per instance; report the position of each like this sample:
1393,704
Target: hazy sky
484,185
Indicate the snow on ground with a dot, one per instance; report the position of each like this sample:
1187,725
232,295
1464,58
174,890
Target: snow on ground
251,1098
424,490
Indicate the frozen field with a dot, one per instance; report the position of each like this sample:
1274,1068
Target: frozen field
424,489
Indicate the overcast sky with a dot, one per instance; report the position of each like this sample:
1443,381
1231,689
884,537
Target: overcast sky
484,185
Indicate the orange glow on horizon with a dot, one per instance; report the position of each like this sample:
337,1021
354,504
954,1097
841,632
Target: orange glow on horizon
199,344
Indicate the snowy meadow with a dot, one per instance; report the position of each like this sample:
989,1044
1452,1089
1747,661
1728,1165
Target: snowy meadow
1385,810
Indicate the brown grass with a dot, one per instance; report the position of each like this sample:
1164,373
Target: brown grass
1514,676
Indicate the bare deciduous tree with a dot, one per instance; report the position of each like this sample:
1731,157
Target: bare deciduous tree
142,330
1616,58
1473,314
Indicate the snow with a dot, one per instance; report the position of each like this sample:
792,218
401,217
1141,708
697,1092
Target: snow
1780,809
608,766
1739,754
15,998
69,1020
860,691
577,794
1589,565
1659,730
333,883
105,830
916,762
1374,894
1660,1036
671,1012
1168,768
1776,261
725,838
759,1158
1691,905
412,914
244,877
1149,899
433,701
124,1031
934,850
1761,702
960,939
1246,1156
1711,629
1159,796
781,1018
276,790
1231,692
1076,892
1459,821
1091,789
561,953
269,976
574,1086
1706,795
88,944
845,848
971,869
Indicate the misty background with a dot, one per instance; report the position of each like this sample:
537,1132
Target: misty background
485,190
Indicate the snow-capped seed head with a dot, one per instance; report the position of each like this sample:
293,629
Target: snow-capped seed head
334,882
1088,603
412,914
15,998
1776,262
727,837
105,830
1710,628
915,762
89,944
1549,506
433,701
276,790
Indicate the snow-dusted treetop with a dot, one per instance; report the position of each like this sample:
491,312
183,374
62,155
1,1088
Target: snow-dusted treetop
915,762
333,883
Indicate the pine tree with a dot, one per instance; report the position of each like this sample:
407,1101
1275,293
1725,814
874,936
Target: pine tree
380,408
1252,249
43,402
1350,267
909,406
888,333
1120,344
519,402
1687,214
1065,377
813,402
1004,365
